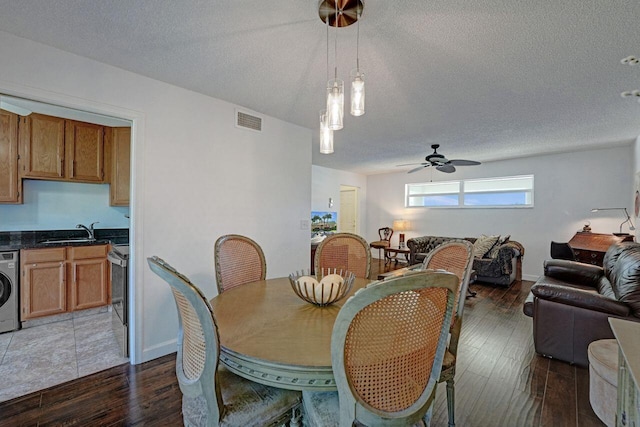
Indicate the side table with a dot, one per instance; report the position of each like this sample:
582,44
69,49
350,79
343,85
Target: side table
391,254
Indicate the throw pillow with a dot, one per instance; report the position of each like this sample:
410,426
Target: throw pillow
483,245
493,252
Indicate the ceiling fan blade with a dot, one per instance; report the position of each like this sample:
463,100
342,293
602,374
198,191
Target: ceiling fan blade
448,168
459,162
411,164
418,168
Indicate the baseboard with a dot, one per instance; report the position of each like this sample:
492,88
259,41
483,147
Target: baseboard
160,350
530,277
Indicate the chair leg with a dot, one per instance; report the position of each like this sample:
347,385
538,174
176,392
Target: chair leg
296,415
451,388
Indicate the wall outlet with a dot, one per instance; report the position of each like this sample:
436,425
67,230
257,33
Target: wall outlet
304,224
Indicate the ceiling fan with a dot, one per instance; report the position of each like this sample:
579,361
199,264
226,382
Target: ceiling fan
440,162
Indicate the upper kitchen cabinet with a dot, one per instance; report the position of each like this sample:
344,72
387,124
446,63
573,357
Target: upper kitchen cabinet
84,148
119,140
42,147
10,184
59,149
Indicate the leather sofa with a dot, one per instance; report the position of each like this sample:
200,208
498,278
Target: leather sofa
572,302
503,269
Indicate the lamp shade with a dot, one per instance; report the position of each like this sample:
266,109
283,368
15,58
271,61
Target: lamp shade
401,225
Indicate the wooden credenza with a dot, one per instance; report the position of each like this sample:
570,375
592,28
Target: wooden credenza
590,248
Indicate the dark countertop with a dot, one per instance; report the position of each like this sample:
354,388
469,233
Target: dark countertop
16,240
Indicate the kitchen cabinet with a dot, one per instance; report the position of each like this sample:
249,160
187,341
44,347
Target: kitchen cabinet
42,147
63,279
84,149
120,144
10,184
58,149
43,286
89,274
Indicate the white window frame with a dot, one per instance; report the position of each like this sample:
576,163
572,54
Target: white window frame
461,193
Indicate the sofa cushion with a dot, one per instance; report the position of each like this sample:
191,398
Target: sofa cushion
484,245
625,277
611,256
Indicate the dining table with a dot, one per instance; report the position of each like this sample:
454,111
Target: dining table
271,336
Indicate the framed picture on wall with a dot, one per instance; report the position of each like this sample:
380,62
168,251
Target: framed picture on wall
323,222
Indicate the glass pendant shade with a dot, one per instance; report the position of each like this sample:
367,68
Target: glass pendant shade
326,135
335,104
357,92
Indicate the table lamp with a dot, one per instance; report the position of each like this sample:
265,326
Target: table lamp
631,227
401,225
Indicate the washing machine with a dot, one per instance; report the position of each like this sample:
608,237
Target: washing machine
9,320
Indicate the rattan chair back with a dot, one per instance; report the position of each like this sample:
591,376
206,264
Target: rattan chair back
388,345
198,342
238,260
344,251
202,384
454,256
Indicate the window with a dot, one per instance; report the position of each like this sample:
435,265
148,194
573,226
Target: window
512,191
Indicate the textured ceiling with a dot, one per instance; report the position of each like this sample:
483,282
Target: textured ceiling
486,79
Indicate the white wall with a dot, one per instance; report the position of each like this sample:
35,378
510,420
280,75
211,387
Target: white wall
195,175
326,184
57,205
636,191
567,187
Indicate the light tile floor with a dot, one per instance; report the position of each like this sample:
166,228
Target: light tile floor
41,356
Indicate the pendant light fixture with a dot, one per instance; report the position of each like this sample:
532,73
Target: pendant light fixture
357,79
339,13
335,90
326,134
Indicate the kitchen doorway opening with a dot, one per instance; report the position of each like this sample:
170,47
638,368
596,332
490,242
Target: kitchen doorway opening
93,324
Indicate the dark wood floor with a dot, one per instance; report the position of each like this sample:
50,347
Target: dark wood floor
500,381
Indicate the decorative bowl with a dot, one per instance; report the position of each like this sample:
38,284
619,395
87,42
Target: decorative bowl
322,289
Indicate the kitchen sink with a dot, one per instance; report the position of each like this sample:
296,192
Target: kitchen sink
62,241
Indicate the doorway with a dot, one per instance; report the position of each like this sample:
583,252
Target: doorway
84,335
348,217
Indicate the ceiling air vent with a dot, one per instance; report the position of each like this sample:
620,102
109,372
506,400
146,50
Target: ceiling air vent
247,121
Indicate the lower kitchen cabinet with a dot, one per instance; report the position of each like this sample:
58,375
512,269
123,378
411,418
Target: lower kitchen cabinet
89,274
43,285
59,280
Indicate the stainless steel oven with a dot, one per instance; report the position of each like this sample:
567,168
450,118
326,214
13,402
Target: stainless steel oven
119,259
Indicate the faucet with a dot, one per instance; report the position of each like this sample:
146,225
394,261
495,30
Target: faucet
89,229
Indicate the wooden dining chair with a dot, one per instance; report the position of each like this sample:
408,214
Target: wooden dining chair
455,256
238,260
212,395
387,347
344,251
384,234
